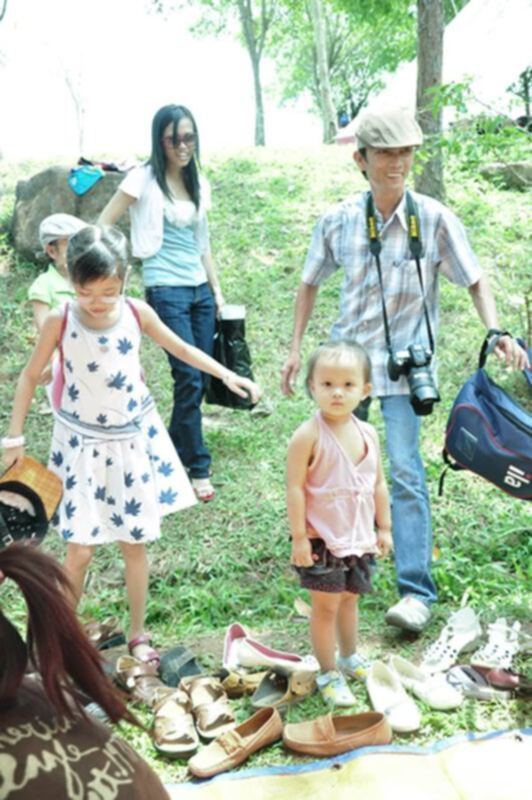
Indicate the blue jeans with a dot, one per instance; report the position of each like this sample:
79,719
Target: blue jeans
411,520
190,312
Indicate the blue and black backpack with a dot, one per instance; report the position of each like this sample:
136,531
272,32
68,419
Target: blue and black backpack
489,433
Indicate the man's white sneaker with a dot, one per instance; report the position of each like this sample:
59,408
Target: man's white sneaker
409,613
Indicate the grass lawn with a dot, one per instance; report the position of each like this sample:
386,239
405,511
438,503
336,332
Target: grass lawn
228,561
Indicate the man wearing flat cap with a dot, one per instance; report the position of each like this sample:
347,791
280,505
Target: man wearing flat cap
385,145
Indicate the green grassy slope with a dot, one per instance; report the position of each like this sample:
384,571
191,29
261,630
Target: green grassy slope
228,560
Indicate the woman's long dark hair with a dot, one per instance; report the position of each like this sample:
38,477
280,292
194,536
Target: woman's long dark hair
173,115
56,642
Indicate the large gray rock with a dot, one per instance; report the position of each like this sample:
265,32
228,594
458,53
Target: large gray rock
509,176
47,193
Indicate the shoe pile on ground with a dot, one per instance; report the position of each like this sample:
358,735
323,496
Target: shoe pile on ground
191,708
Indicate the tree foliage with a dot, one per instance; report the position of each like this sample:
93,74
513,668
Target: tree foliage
364,40
254,19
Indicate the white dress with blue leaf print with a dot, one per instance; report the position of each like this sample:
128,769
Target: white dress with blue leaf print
119,468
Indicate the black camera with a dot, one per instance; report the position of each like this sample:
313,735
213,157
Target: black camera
414,362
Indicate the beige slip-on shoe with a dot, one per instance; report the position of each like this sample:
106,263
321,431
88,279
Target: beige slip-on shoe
232,748
331,735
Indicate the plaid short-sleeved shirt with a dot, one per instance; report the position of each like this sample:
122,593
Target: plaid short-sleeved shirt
340,240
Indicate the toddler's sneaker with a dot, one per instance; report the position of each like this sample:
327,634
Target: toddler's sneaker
334,689
354,666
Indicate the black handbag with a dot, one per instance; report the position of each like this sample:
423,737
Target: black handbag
231,350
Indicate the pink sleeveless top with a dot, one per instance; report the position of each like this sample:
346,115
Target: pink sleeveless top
340,495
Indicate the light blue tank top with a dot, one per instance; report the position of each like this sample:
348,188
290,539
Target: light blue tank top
178,262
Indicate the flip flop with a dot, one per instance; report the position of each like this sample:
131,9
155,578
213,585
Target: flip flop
210,706
174,733
178,663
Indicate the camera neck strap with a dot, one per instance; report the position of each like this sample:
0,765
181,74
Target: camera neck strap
416,250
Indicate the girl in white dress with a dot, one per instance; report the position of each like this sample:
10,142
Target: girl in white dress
119,469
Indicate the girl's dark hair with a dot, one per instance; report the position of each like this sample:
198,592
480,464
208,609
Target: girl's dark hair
56,642
97,252
173,115
337,352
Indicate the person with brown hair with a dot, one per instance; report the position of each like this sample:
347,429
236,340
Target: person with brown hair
49,747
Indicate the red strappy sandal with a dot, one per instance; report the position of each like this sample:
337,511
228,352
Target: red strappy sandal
151,656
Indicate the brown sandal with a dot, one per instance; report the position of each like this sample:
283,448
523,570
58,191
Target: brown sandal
138,679
174,733
210,706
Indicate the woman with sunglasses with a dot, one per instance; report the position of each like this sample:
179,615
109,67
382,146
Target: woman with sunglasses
168,200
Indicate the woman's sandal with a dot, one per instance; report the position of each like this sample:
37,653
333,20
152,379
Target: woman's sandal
203,489
139,680
150,656
176,664
174,733
460,635
501,647
210,706
106,634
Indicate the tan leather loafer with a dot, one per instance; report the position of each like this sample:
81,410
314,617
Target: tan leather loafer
233,747
331,735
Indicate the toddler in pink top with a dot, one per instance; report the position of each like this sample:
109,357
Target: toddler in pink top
338,509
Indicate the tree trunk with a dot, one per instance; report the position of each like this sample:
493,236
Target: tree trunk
327,106
260,137
430,28
255,51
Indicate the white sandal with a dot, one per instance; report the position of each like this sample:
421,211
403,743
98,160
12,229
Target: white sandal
461,634
501,647
203,489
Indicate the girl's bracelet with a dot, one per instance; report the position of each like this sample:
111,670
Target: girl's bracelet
9,442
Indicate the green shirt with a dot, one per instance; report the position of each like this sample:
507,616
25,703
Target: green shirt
51,288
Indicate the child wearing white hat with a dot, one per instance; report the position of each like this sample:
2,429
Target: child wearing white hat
51,289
